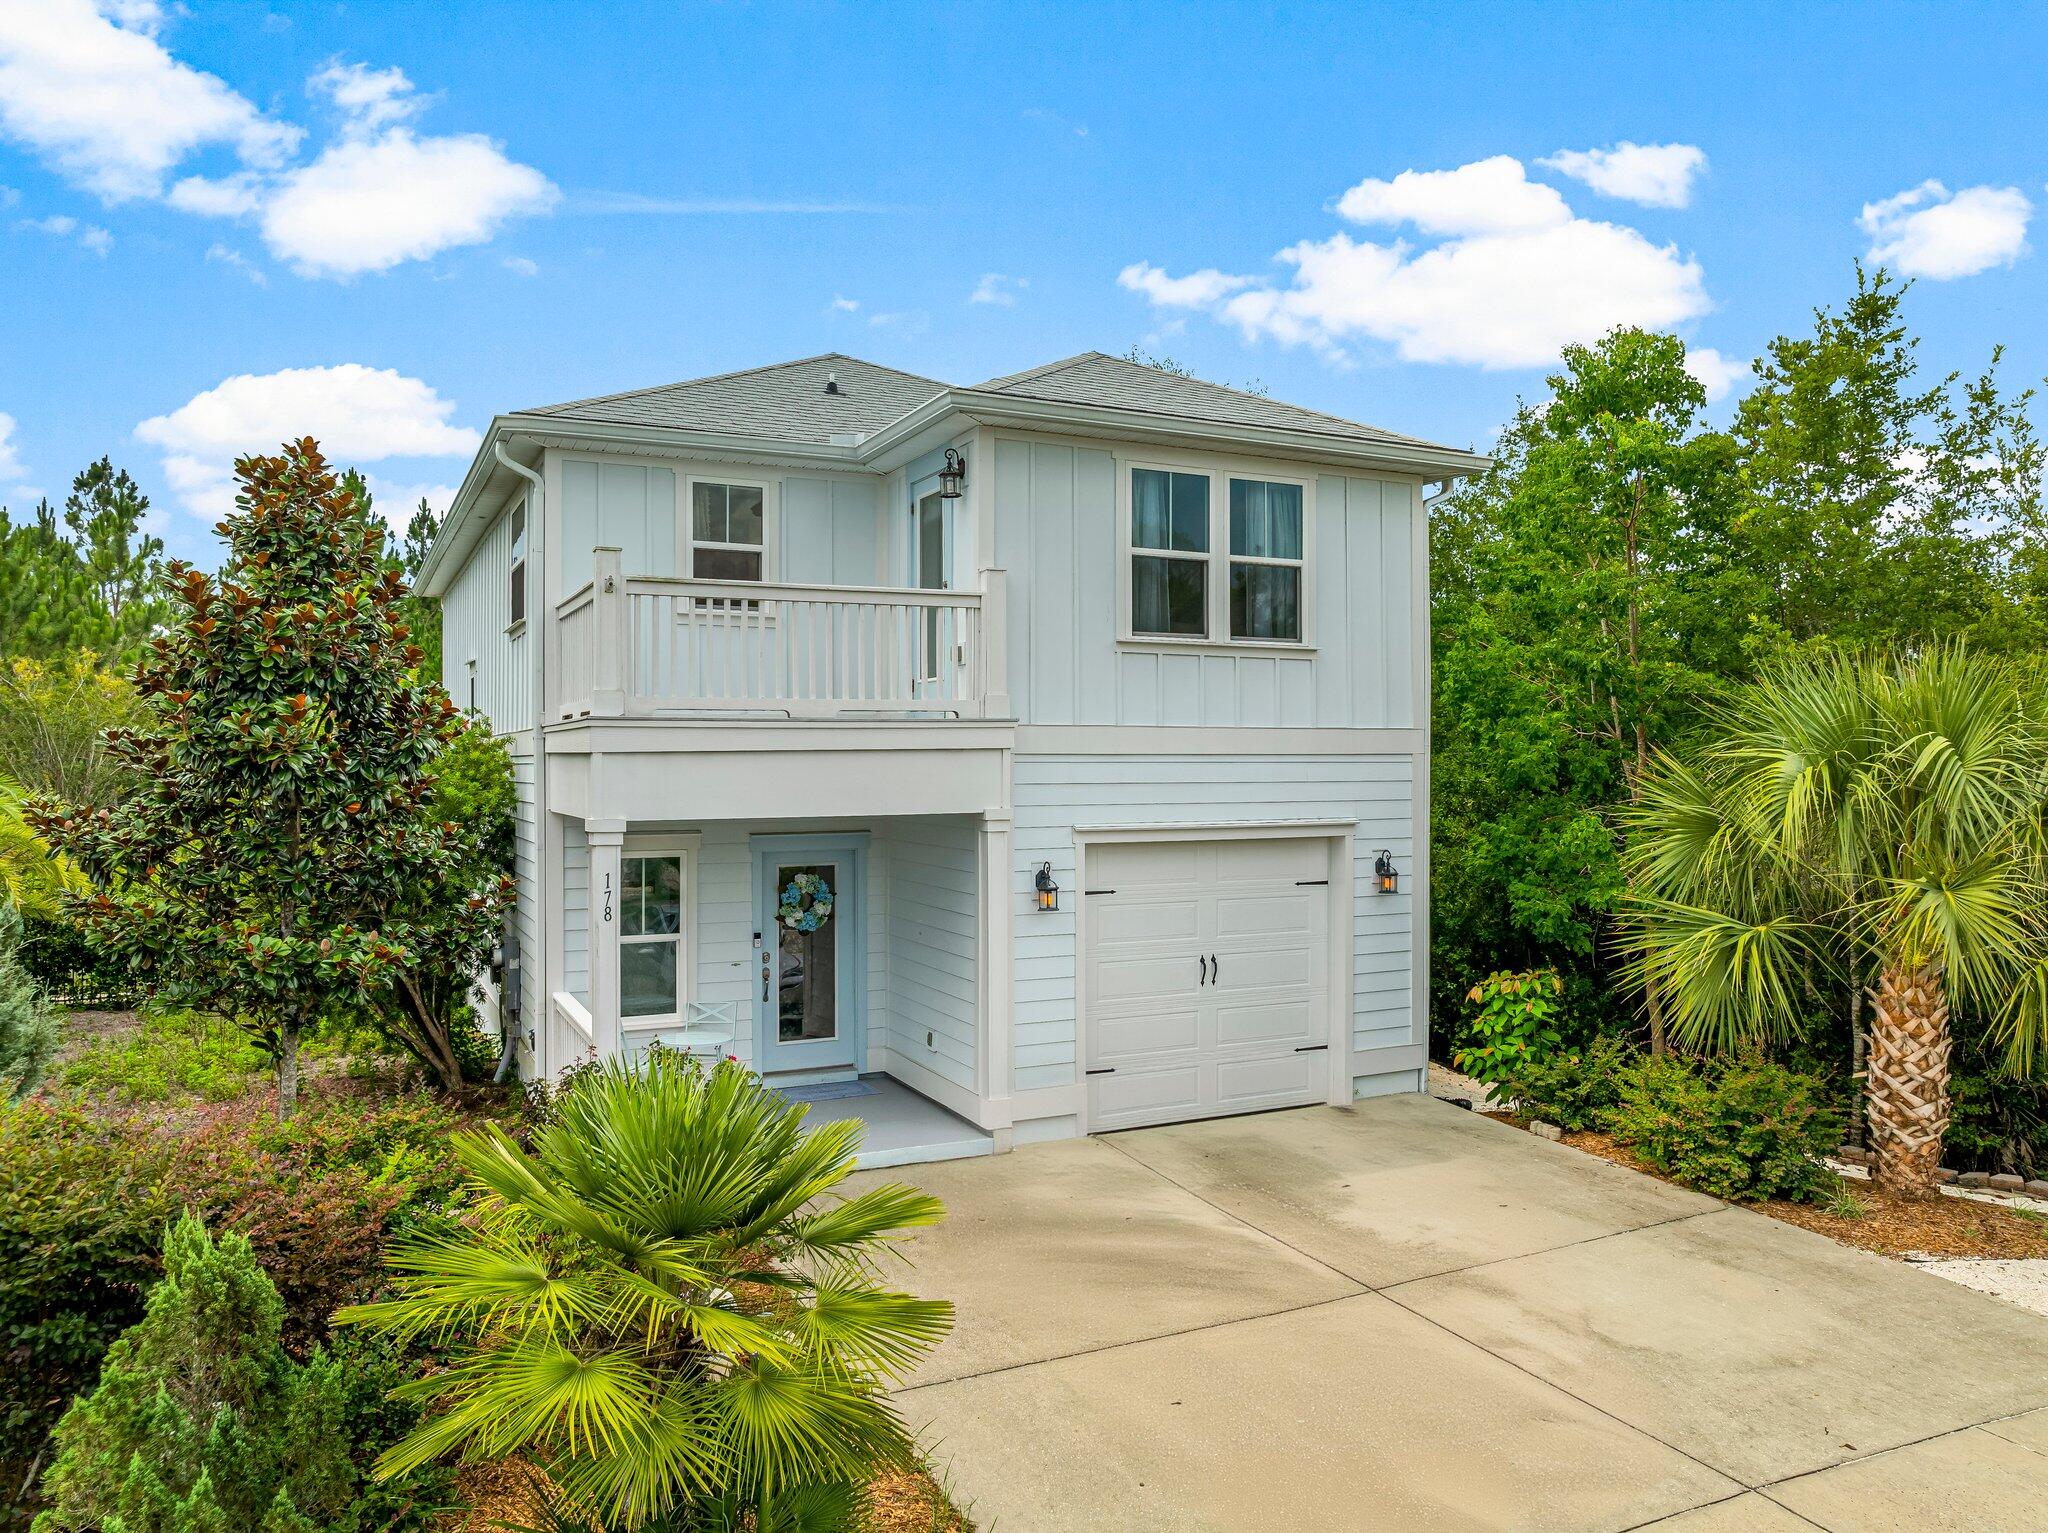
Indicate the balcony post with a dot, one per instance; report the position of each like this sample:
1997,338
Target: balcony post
608,635
995,645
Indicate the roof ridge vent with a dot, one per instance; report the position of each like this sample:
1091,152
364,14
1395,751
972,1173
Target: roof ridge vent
832,382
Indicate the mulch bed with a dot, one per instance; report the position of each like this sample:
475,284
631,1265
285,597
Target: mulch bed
1888,1224
512,1494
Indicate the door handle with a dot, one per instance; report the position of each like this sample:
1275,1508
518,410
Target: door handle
1212,968
1201,970
764,979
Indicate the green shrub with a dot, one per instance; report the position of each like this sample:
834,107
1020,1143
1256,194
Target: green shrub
1576,1091
82,1210
1743,1130
28,1022
170,1054
55,950
1517,1023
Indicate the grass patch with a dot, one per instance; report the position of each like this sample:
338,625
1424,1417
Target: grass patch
169,1054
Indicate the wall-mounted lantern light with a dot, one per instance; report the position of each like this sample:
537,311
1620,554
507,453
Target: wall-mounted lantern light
951,475
1048,891
1383,873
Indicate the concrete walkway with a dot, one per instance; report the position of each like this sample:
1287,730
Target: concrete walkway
1400,1316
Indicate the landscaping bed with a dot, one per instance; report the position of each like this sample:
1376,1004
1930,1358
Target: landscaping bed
1869,1217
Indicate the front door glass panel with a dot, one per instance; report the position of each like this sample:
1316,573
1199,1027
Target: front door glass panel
807,1008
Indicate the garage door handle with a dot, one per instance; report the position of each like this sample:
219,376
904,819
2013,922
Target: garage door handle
1311,1048
1105,1070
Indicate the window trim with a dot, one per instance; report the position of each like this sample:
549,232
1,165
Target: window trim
1233,559
686,516
684,849
1219,472
517,547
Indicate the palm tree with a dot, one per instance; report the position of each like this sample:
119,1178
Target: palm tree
659,1306
1881,820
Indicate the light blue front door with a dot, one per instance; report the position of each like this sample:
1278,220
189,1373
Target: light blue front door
808,1015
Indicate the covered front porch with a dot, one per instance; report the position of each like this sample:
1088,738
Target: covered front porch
840,960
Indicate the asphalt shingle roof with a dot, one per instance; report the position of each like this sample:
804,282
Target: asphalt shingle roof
789,402
1095,378
786,402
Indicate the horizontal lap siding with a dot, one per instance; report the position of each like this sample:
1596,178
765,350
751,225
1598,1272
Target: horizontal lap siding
930,950
1053,794
526,897
576,910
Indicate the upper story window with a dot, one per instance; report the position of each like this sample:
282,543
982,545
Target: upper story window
1265,560
1224,567
1169,554
726,531
517,593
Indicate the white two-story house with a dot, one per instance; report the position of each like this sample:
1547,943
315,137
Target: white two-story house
994,763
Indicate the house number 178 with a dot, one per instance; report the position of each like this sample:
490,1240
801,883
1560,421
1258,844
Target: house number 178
607,897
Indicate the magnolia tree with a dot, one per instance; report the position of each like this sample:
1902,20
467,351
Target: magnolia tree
279,856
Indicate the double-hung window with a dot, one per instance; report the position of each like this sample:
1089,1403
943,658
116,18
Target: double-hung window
726,531
516,594
1265,560
1169,554
651,957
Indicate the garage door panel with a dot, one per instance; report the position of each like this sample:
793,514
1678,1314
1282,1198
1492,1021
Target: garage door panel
1172,1035
1263,968
1146,920
1280,1081
1146,978
1289,1022
1267,912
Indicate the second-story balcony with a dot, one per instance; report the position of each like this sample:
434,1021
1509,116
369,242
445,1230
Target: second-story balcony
641,646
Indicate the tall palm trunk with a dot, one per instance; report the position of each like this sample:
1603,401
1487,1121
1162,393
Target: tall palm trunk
1907,1089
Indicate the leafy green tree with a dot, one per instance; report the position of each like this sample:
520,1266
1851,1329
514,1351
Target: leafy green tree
200,1420
1589,594
104,514
54,715
424,1005
282,779
1887,817
28,1022
1879,505
660,1307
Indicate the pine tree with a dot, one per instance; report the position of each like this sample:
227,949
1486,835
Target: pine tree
28,1022
278,856
104,514
200,1422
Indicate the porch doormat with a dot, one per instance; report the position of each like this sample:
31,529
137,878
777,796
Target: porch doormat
830,1091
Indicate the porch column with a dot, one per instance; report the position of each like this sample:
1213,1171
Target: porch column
994,991
606,838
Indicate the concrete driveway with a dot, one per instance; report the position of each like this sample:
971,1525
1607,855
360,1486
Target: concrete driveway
1400,1316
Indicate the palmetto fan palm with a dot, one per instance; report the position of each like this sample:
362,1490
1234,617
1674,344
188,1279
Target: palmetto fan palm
659,1306
1886,817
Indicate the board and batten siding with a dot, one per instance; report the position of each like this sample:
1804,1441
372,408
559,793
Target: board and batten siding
1053,794
930,870
1056,531
476,614
826,530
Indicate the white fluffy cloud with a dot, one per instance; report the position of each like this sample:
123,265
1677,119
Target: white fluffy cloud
1656,175
1519,277
1717,374
92,91
1928,231
369,204
359,414
999,290
63,226
11,471
1486,197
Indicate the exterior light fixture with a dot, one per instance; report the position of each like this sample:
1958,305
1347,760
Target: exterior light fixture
1383,873
951,475
1048,891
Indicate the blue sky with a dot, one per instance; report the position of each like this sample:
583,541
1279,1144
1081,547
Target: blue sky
383,223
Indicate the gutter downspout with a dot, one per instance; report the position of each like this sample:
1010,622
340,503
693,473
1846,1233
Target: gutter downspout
533,996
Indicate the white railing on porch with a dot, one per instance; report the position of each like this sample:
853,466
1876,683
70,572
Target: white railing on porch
571,1034
651,646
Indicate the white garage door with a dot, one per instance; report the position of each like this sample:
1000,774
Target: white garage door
1207,973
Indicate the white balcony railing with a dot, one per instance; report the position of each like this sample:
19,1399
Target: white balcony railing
648,646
